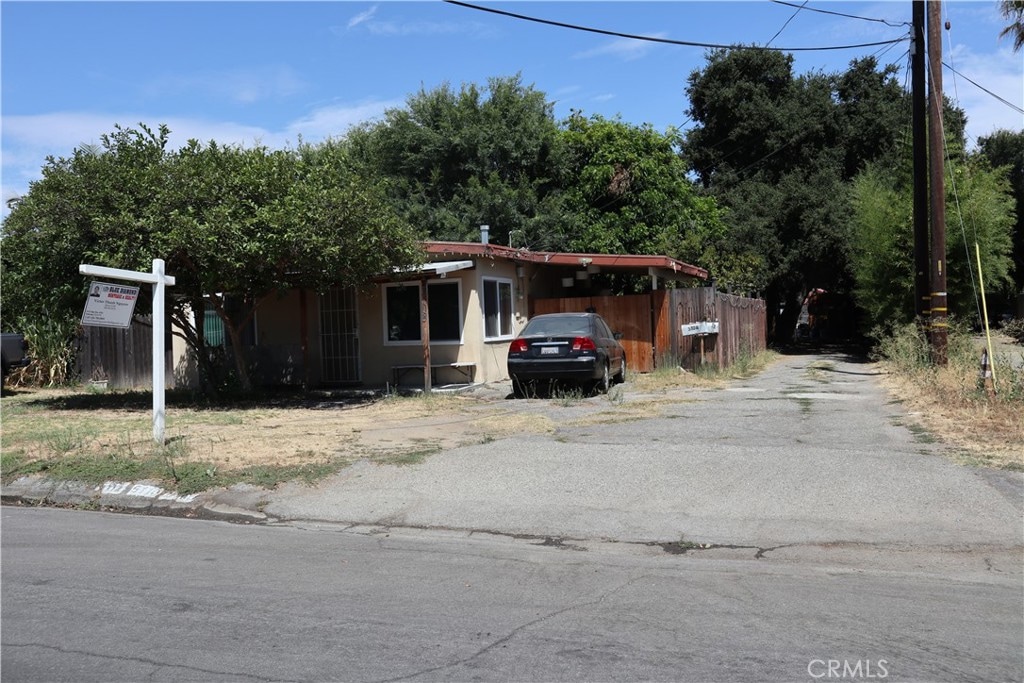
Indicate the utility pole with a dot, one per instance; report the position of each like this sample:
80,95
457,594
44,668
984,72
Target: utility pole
919,107
938,299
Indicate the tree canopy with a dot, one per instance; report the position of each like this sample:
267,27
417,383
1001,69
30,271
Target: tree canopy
228,221
777,150
456,160
785,183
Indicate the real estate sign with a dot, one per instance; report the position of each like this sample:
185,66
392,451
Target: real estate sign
110,305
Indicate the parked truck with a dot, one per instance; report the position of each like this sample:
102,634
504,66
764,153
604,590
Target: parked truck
13,351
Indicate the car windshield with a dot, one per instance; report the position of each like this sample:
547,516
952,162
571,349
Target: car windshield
557,327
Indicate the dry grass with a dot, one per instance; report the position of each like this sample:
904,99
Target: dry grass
36,428
671,377
948,403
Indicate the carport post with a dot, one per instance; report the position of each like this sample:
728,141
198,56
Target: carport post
425,334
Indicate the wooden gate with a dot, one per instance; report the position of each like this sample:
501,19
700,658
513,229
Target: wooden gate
630,315
742,328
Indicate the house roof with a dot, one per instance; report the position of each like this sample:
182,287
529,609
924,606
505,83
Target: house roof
664,267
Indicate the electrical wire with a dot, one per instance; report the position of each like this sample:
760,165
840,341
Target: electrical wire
956,193
985,90
791,18
668,41
841,14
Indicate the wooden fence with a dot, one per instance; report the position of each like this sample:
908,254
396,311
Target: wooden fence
122,358
630,315
651,325
742,327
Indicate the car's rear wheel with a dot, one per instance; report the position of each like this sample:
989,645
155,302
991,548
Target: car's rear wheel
605,381
519,389
620,376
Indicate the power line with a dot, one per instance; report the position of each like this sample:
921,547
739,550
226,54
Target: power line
791,18
841,14
667,41
1009,104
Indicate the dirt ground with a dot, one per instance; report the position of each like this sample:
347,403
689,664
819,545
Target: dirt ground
51,423
41,423
390,428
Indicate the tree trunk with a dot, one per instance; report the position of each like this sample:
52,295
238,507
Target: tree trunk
238,352
787,320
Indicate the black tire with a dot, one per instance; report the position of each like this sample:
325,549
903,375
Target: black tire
518,388
620,376
604,383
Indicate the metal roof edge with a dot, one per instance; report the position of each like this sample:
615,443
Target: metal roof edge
661,262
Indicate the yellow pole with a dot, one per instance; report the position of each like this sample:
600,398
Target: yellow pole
984,311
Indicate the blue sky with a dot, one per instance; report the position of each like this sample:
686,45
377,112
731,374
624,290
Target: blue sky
270,72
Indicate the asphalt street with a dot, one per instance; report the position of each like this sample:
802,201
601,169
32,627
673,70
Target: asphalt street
809,456
91,596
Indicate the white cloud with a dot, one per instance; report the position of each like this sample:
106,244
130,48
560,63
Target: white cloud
626,49
28,140
362,17
245,86
392,28
334,121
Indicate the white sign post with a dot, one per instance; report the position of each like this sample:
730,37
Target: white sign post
160,282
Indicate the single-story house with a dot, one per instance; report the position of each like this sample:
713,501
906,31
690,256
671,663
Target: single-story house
455,314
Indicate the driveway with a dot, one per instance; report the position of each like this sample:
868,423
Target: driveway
809,455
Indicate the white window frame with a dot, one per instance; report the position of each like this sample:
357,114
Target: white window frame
417,284
512,310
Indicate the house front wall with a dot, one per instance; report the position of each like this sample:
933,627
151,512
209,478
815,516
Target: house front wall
381,353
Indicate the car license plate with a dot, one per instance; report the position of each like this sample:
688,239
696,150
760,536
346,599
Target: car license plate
549,350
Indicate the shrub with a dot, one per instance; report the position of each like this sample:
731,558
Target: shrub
1015,329
51,350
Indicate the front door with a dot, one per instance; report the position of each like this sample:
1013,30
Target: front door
339,336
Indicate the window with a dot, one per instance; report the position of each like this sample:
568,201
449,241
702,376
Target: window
402,312
497,308
213,326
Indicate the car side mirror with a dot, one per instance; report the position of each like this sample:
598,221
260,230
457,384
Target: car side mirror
617,335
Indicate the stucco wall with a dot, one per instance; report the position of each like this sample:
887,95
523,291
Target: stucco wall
279,334
379,356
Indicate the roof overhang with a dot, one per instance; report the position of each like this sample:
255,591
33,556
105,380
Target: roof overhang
664,267
435,268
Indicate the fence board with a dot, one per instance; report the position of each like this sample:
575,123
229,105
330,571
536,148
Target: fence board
123,358
630,315
742,328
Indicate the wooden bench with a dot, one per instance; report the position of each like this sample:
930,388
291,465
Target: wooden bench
464,370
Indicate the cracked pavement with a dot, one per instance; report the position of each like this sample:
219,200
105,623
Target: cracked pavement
809,458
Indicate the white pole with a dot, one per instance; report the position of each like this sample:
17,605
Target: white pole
159,381
160,283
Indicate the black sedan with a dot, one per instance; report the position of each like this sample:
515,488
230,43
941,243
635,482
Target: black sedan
577,347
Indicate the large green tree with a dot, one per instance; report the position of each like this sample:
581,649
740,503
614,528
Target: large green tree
627,192
90,207
455,160
232,223
1005,149
979,211
777,150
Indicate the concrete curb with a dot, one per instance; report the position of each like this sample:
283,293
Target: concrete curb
240,504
